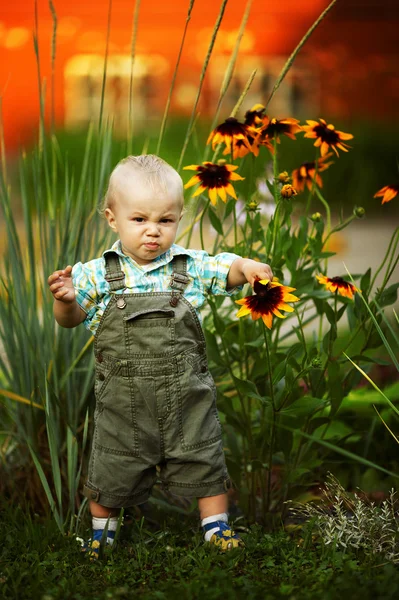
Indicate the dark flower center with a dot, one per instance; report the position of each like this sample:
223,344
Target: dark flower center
266,298
232,127
341,282
275,128
330,136
212,176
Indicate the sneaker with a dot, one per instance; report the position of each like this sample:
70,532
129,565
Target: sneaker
225,537
93,545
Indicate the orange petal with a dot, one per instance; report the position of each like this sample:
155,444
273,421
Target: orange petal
195,179
213,195
268,320
200,190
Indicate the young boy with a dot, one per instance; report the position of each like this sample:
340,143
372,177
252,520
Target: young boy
155,398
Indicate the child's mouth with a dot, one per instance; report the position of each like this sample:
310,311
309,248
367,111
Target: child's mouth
151,245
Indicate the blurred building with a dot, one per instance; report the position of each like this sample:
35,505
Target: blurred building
347,69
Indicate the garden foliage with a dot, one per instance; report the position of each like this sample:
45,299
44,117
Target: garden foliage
285,384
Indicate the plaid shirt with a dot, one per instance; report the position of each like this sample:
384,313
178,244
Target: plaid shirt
208,275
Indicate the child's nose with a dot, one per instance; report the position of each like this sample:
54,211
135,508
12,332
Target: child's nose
152,228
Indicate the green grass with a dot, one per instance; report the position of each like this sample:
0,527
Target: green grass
38,563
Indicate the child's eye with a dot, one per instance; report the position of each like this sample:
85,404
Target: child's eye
166,220
138,219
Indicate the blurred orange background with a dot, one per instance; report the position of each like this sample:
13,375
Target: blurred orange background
347,70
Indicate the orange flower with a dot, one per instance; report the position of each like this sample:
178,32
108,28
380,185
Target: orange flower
337,284
326,136
229,132
215,178
287,191
254,116
388,193
308,173
270,297
274,127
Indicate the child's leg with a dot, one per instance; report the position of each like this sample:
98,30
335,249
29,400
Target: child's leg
102,517
214,521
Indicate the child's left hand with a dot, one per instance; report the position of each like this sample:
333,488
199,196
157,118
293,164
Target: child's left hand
253,270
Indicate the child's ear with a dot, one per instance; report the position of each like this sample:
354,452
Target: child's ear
109,215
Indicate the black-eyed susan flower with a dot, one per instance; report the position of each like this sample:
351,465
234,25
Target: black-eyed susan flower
287,191
308,173
275,127
216,178
326,136
254,116
270,297
229,132
337,284
387,193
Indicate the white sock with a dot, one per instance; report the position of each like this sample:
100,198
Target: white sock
111,524
221,517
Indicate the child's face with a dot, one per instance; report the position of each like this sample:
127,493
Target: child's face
147,225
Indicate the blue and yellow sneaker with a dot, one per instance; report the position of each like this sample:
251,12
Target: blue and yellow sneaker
93,545
224,537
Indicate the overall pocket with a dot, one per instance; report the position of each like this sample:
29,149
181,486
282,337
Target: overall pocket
198,416
115,418
150,333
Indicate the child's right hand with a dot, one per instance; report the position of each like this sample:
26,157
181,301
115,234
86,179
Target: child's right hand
61,286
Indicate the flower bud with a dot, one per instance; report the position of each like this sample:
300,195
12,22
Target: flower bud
284,177
316,363
316,217
359,212
252,206
222,161
287,191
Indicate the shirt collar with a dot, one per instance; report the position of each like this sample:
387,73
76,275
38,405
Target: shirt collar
160,261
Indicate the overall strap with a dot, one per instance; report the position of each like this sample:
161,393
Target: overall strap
114,274
179,279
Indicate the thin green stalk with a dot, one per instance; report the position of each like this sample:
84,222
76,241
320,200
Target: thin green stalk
105,66
53,55
388,252
229,71
291,59
172,85
201,226
273,425
202,77
132,61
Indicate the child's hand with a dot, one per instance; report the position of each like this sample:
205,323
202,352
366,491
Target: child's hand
61,286
253,270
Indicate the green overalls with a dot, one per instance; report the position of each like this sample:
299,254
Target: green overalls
155,397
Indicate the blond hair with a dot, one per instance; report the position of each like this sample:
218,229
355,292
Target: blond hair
149,172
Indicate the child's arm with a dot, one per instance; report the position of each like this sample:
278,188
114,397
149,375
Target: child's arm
245,270
67,311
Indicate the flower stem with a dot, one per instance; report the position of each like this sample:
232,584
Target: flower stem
266,506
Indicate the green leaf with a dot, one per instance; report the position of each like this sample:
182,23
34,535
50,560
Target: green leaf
247,388
215,221
212,348
389,296
365,281
304,406
335,386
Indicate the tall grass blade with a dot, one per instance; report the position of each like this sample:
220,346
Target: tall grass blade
202,77
381,333
291,59
375,386
132,61
46,488
53,55
104,81
229,71
19,398
386,425
172,85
